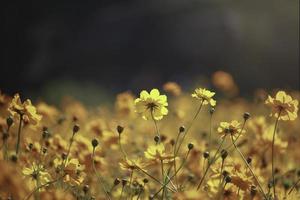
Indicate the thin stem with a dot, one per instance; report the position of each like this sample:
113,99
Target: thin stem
163,178
41,186
170,178
222,165
19,134
130,182
156,128
174,164
98,175
187,130
210,162
155,179
121,193
247,164
121,147
210,127
294,186
273,144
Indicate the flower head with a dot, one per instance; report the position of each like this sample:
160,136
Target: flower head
128,164
283,106
151,105
233,128
158,153
26,109
205,96
37,173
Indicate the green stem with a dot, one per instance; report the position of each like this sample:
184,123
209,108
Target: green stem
187,130
19,135
210,162
294,186
163,178
130,182
273,144
99,176
170,178
41,186
156,128
247,164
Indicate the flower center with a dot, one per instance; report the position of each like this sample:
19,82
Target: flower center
151,106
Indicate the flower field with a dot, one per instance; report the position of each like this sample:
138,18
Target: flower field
162,143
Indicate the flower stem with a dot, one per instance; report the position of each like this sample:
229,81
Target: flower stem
99,176
163,178
19,135
210,162
155,124
245,161
170,178
187,130
273,144
294,186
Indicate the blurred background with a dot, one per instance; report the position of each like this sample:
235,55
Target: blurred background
94,50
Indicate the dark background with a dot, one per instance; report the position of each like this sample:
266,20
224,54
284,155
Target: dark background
56,47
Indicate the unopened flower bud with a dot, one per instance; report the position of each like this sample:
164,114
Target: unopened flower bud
249,160
117,181
120,129
9,121
64,156
124,182
145,180
76,128
224,154
227,179
86,188
95,143
253,190
156,138
206,154
181,129
246,116
190,146
212,110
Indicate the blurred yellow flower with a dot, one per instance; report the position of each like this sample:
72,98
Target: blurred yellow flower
127,164
205,96
151,105
283,105
26,109
233,128
173,88
158,153
37,173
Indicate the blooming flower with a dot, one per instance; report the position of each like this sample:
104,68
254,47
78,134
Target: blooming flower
127,164
151,105
26,109
37,173
232,128
205,96
158,153
72,168
283,106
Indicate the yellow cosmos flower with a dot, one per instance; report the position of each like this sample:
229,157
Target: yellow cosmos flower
158,153
37,174
127,164
233,128
205,96
283,105
26,109
72,168
151,105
